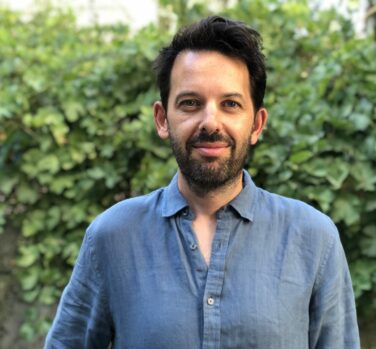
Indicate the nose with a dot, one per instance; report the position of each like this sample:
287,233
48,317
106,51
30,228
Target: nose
210,120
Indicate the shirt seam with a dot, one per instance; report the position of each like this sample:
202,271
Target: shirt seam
99,275
323,264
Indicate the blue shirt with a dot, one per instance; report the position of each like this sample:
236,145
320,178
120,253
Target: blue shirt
277,278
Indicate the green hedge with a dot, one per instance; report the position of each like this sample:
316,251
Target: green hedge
77,133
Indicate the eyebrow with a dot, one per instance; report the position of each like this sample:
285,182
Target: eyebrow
233,95
185,94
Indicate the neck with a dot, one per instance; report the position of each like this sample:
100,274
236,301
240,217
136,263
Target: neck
209,203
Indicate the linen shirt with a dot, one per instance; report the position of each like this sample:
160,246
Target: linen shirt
277,278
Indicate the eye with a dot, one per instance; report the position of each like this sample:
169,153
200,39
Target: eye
189,103
231,104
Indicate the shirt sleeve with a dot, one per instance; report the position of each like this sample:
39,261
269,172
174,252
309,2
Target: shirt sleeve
333,321
82,319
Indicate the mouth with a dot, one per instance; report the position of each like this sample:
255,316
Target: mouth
211,149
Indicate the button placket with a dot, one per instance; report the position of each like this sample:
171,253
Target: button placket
214,284
197,263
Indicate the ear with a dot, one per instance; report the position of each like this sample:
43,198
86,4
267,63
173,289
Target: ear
160,119
258,125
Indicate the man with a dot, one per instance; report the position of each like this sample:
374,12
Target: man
211,261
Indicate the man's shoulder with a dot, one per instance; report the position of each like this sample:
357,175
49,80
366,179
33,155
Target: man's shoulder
127,213
305,218
274,200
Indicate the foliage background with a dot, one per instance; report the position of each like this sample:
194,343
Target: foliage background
77,133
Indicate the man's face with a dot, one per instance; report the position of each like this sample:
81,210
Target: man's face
210,121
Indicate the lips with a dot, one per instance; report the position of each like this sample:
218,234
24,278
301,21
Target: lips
211,149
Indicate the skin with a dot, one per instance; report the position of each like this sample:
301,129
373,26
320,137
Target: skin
209,93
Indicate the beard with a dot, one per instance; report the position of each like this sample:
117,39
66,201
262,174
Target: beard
208,174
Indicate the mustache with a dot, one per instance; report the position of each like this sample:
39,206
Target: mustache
205,137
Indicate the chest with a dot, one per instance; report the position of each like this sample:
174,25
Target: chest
244,298
204,230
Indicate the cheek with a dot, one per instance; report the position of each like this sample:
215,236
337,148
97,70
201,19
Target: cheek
183,130
240,132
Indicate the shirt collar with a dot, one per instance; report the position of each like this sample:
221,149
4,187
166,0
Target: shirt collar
173,200
243,204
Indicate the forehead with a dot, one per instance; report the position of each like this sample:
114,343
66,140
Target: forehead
202,70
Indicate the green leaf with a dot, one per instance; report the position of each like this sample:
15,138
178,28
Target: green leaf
27,331
28,256
30,296
301,156
368,244
361,273
34,223
49,163
50,247
316,167
371,205
48,295
96,173
337,173
60,132
60,183
365,176
323,195
7,184
347,209
30,280
26,194
53,217
360,121
73,109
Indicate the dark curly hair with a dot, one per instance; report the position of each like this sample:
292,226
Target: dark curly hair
215,33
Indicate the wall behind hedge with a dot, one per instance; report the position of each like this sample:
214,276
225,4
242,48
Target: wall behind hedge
77,133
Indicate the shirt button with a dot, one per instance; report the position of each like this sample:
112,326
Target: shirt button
193,246
210,300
